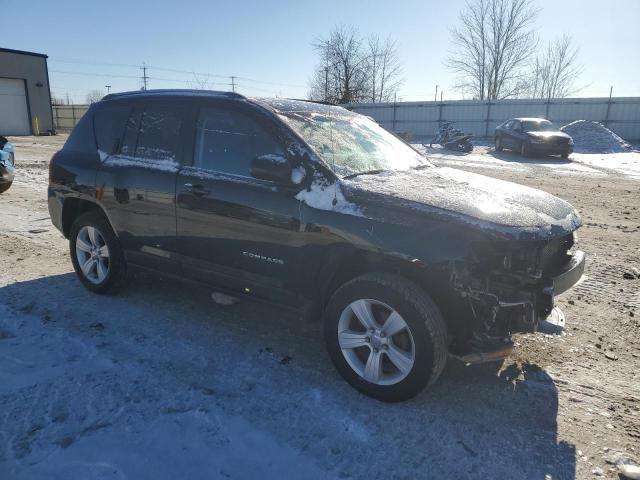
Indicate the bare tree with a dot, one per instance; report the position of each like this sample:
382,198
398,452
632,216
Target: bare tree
555,70
383,68
94,96
200,81
341,75
353,69
57,101
492,47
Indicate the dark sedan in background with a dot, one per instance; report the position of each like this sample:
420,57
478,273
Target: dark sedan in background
533,135
7,164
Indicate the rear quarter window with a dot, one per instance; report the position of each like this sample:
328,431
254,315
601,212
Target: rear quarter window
109,125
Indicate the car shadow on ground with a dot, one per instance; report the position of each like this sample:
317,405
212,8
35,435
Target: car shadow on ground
515,157
485,421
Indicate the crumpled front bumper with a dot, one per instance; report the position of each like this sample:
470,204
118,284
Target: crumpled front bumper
506,307
568,275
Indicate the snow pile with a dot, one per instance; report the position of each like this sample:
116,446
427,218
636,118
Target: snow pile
593,137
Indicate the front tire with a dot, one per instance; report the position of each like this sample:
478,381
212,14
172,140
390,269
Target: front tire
385,336
564,155
5,186
96,253
498,144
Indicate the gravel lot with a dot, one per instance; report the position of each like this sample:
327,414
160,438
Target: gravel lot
161,382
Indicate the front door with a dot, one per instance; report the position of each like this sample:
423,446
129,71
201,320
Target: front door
235,231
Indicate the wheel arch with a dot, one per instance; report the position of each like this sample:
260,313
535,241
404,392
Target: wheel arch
351,264
73,207
433,279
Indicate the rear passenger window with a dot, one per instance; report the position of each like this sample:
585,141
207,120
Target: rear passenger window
227,141
159,135
109,124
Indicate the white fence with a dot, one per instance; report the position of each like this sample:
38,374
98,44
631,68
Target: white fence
65,117
421,119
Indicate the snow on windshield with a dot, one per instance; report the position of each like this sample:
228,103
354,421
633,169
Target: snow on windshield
352,144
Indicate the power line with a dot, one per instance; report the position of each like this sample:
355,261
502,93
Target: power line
89,74
164,69
84,62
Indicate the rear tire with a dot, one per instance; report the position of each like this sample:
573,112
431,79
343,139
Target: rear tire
498,144
5,186
564,155
406,361
94,246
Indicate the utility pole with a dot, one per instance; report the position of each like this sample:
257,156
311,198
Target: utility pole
606,120
108,87
435,98
326,84
144,76
233,84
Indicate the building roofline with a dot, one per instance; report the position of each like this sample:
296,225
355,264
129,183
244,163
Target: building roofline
23,52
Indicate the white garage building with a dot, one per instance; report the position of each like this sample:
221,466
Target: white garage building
25,99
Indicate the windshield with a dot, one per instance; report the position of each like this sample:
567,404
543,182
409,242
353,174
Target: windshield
352,144
542,125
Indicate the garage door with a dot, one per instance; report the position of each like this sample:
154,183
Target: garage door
14,115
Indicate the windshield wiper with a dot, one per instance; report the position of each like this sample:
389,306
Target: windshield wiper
367,172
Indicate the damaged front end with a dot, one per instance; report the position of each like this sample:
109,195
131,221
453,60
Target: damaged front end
510,287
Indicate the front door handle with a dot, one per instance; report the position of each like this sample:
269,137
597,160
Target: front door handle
197,189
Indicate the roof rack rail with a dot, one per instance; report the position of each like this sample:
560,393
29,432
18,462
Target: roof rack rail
175,91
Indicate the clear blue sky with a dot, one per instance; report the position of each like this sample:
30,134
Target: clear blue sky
270,41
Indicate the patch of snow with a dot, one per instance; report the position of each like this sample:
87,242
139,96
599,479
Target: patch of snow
593,137
205,174
327,197
297,175
274,157
126,161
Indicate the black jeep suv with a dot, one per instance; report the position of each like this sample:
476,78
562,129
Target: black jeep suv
319,208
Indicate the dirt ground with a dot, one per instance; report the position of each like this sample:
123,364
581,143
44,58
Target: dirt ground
91,385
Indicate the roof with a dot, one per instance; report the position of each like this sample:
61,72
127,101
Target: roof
173,92
23,52
278,105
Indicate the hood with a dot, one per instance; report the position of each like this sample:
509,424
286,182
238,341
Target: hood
549,134
502,209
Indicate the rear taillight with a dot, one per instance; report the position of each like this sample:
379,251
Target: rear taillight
53,158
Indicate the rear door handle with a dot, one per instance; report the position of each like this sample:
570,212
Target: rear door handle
197,189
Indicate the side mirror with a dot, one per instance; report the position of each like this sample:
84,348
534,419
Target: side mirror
273,167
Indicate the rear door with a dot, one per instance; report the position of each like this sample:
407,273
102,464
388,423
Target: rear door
142,147
235,231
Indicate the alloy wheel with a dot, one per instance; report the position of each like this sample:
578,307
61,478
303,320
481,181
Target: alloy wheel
376,342
92,254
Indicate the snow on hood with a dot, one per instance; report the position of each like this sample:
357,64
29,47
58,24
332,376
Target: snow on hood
506,208
548,134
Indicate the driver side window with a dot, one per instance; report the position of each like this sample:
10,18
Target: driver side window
227,141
